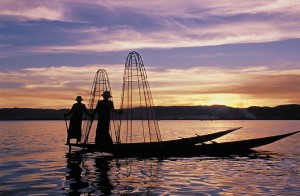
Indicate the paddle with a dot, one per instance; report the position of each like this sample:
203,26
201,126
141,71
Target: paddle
66,124
68,141
87,134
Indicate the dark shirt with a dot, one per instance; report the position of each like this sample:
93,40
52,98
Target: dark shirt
103,109
78,109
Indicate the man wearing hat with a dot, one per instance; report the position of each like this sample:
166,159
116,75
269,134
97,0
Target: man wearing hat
75,125
104,107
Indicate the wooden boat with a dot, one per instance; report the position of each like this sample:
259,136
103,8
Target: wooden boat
230,148
166,144
189,147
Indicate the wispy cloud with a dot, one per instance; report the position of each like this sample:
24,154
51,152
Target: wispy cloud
57,86
31,10
131,25
50,87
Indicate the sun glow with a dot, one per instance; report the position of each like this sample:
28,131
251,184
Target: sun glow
224,99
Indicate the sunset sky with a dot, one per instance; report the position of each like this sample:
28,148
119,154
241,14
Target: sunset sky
196,52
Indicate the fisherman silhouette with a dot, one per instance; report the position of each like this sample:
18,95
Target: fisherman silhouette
75,125
104,107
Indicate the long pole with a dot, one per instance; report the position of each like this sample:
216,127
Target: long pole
87,134
66,124
68,141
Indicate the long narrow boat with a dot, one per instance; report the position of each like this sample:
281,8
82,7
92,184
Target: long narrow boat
212,149
238,147
185,141
182,148
169,143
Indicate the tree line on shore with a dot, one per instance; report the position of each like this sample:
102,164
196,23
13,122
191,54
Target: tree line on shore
214,112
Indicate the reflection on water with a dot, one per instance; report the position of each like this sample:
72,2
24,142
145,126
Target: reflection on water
255,173
33,161
74,174
105,175
136,176
102,181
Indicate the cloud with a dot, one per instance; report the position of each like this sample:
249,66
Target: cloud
103,26
204,8
251,86
56,87
31,10
53,87
127,38
192,9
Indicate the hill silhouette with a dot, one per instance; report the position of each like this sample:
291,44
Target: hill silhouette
31,114
215,112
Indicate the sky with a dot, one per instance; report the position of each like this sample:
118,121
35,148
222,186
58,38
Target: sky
196,52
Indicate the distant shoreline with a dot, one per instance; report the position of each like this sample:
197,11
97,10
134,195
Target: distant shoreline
214,112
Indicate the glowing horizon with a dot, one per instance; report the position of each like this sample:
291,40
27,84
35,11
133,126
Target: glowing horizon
61,85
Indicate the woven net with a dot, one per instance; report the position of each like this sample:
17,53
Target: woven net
100,84
138,123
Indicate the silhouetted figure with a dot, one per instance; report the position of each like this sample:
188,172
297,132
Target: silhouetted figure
75,125
104,107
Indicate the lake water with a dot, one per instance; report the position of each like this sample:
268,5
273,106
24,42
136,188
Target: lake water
35,161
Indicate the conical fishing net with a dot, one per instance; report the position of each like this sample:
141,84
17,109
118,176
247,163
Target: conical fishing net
138,122
100,84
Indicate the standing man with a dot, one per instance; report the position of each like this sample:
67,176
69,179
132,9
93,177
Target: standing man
104,107
75,125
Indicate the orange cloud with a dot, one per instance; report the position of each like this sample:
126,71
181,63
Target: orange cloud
56,87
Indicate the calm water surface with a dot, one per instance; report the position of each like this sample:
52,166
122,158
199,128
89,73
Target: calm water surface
34,161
